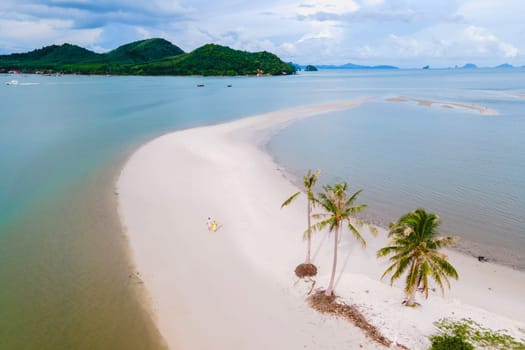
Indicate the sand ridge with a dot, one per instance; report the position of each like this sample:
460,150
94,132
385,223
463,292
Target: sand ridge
483,110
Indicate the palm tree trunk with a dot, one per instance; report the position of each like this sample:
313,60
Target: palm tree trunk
309,239
330,289
411,297
411,300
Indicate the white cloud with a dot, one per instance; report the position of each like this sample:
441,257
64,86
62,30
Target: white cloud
373,2
324,34
508,50
444,44
143,32
288,48
400,32
334,6
485,42
82,37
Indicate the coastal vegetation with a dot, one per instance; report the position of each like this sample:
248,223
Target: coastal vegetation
415,249
468,334
306,269
310,68
214,59
146,57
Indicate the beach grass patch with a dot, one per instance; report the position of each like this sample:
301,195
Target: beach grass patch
449,342
472,333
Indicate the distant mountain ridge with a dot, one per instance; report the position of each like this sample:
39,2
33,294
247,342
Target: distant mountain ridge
154,56
391,67
473,66
355,66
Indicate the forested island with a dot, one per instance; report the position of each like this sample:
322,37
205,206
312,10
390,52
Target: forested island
146,57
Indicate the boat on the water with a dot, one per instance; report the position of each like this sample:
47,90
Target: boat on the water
12,82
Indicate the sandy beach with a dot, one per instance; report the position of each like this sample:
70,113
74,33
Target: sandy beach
235,288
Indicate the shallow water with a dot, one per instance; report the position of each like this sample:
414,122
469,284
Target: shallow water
64,266
467,167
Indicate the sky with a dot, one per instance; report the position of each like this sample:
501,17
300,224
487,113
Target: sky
439,33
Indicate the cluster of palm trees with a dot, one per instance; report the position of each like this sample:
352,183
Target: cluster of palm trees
413,248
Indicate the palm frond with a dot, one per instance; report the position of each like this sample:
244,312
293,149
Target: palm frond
402,265
439,282
353,197
319,215
308,233
388,270
310,179
319,226
289,200
414,240
446,267
424,279
425,270
357,235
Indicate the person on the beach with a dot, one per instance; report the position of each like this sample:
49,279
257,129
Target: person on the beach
214,225
209,223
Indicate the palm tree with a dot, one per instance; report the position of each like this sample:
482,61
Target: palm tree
309,181
414,245
339,208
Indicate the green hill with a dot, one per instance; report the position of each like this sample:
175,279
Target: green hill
214,59
48,58
146,57
143,51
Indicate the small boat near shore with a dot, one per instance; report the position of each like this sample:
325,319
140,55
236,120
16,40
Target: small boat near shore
12,82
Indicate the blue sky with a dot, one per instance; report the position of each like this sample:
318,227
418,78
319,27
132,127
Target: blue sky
400,32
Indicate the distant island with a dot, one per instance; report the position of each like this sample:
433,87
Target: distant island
310,68
355,66
469,66
474,66
146,57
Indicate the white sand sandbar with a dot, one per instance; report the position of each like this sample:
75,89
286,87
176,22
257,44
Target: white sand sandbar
235,288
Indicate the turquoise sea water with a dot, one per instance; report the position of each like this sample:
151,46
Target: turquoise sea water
64,268
467,167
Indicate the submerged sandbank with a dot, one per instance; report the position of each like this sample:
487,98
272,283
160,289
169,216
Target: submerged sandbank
445,104
235,288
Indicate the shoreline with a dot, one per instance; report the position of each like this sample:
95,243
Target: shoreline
248,264
494,254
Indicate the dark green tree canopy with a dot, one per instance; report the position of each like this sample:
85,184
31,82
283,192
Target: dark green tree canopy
146,57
